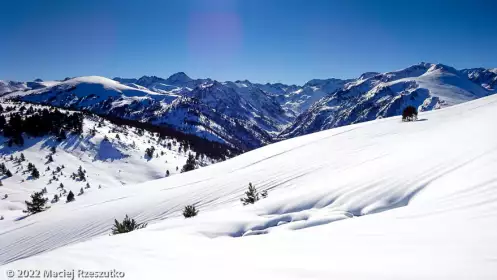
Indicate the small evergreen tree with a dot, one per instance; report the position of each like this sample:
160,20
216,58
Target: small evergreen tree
167,173
53,150
190,211
149,152
34,173
409,114
50,159
70,196
252,195
190,164
8,173
127,225
22,158
264,194
81,191
37,203
81,174
55,199
87,186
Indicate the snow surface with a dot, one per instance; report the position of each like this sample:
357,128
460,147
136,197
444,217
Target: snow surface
115,163
376,200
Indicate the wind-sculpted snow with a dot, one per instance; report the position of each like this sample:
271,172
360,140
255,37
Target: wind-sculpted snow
377,200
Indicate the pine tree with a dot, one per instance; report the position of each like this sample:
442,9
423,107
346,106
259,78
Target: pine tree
149,152
167,173
53,150
127,225
190,211
22,158
409,114
252,196
264,194
34,173
117,137
50,159
55,198
61,186
70,197
81,191
37,203
190,164
81,174
87,185
8,173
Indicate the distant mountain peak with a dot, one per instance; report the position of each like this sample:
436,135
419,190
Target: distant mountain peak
178,78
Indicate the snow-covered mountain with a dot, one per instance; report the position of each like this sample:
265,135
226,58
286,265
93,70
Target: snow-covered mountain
384,199
10,86
297,99
230,113
247,115
111,155
426,86
487,78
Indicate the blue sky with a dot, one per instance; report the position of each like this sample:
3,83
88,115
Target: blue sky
288,41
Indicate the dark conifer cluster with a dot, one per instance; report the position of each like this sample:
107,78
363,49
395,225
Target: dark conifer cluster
409,114
39,122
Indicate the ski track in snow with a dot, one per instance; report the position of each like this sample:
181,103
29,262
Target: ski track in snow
376,200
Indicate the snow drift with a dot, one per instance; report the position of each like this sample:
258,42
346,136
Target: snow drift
376,200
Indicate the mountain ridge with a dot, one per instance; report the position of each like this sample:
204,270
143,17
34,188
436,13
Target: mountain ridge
248,115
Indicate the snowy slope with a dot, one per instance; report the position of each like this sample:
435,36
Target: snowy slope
425,86
114,163
376,200
9,86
